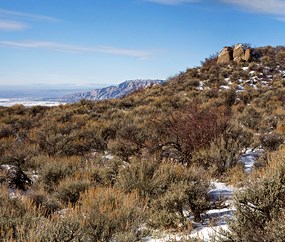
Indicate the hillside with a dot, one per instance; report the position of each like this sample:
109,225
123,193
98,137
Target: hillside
125,169
112,91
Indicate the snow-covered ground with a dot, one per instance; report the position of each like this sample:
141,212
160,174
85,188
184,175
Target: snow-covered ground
215,220
249,157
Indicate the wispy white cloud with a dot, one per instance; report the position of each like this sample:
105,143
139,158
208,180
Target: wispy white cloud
7,25
16,21
171,2
275,7
15,14
271,7
62,47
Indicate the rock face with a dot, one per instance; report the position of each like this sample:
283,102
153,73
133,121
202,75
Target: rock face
237,54
112,91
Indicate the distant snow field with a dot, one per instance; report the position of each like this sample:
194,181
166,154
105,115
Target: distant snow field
8,102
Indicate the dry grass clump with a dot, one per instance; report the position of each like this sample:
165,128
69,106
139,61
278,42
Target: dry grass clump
109,212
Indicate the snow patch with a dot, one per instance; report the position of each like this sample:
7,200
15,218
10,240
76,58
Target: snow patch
249,158
225,87
206,233
221,191
201,86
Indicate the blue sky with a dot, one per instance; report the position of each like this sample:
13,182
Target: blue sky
74,43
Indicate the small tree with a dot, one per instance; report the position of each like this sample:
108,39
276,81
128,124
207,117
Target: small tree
130,141
189,130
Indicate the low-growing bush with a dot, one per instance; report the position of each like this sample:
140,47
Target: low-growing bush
109,213
271,141
54,171
66,228
170,188
45,204
69,191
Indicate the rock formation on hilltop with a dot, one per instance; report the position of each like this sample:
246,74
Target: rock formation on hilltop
238,54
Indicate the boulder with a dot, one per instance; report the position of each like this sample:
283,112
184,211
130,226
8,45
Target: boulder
226,55
238,51
247,55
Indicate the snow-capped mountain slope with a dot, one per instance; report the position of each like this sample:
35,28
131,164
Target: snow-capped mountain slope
112,91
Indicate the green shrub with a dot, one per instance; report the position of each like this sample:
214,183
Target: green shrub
140,177
105,172
190,194
56,228
53,172
220,156
170,188
69,191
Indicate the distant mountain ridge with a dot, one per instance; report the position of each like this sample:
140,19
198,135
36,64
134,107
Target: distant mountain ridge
111,92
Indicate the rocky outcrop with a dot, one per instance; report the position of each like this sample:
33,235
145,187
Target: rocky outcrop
237,54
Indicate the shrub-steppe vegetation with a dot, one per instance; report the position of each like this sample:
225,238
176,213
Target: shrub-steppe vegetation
115,170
